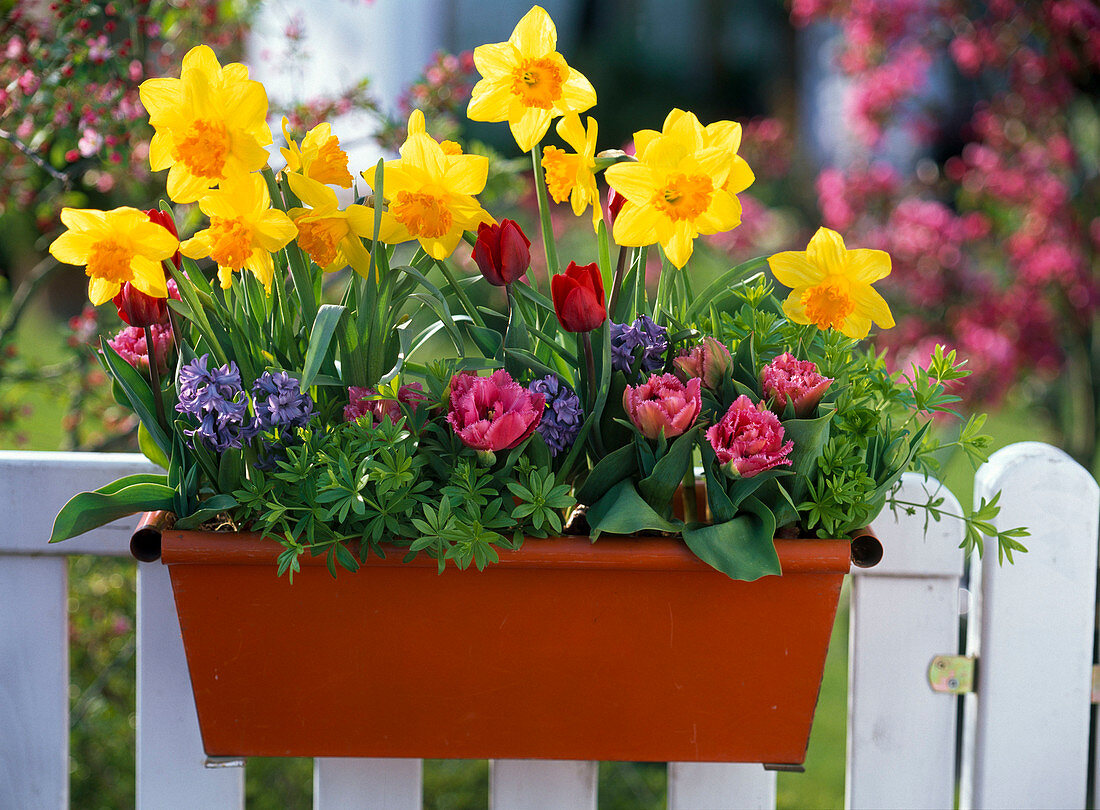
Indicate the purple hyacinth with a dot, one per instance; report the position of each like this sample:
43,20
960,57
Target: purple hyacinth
642,341
217,400
280,402
561,421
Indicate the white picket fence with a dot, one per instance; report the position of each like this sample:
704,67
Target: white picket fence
1026,727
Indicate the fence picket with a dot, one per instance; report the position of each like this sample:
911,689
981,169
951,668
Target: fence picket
1026,741
720,786
542,784
901,735
342,783
34,683
171,764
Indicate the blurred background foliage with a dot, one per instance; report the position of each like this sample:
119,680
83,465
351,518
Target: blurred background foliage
961,136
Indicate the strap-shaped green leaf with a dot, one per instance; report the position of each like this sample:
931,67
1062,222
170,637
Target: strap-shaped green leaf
320,338
139,392
90,510
623,511
668,473
611,469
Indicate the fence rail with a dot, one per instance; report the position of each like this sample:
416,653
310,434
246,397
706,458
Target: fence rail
1025,731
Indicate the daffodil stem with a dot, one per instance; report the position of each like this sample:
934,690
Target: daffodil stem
544,214
467,304
617,282
589,370
154,378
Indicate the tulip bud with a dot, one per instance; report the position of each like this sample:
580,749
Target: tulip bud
502,252
164,219
138,309
578,297
710,361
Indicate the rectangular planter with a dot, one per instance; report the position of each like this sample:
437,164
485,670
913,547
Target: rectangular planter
627,649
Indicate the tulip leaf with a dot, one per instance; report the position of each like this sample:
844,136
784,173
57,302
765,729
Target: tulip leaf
809,437
623,511
90,510
611,469
209,508
742,548
320,338
138,392
521,360
149,448
488,340
668,473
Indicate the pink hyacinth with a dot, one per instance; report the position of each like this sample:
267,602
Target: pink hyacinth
709,361
787,377
364,401
493,413
663,404
131,347
749,439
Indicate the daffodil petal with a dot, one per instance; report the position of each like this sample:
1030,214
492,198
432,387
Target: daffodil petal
678,249
635,181
793,309
259,262
161,98
577,93
530,127
87,220
869,303
466,174
740,176
826,250
100,290
274,230
184,187
490,101
868,265
792,269
856,326
496,58
636,225
72,247
724,214
148,277
535,34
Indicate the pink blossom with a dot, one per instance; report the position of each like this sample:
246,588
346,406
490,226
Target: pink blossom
28,82
131,347
710,361
787,377
493,413
89,143
749,439
365,401
663,404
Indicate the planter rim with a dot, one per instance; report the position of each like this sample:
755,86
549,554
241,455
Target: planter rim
647,553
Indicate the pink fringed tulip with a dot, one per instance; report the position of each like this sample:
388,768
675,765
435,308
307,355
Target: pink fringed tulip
748,440
131,346
709,361
364,401
786,377
663,403
493,413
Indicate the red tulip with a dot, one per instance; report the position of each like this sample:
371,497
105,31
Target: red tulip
578,297
502,252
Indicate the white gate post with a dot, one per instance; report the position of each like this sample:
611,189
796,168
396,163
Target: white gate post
1026,736
344,783
905,610
720,786
542,784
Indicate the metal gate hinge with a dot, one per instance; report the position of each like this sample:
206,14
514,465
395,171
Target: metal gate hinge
953,674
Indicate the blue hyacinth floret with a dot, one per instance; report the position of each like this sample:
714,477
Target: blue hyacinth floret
561,421
643,342
217,400
280,402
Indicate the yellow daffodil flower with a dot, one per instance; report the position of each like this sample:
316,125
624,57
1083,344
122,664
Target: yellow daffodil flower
244,229
677,189
115,246
574,176
210,123
831,286
319,156
430,192
526,82
331,237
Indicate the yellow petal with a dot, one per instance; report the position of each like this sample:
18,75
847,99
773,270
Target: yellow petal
868,266
197,246
740,176
534,35
161,98
642,139
793,269
466,174
577,93
570,130
826,250
201,60
274,230
870,304
416,123
490,101
635,181
160,151
261,265
530,127
225,276
360,220
86,220
246,104
184,187
72,247
636,225
422,152
678,249
497,59
356,254
100,290
724,214
148,277
856,326
793,309
313,193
